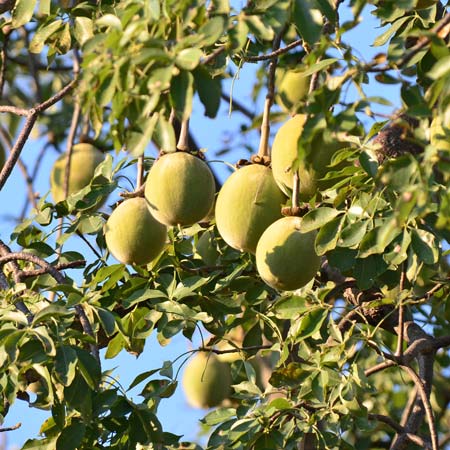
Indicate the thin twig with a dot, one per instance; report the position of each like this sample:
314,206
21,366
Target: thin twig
137,193
31,115
379,367
422,390
212,56
59,266
14,427
263,150
399,350
274,53
3,57
234,104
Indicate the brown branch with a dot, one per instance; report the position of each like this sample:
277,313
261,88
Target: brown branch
137,193
14,110
234,350
263,150
212,56
3,56
14,427
59,266
401,319
424,392
275,53
379,367
31,115
28,179
69,145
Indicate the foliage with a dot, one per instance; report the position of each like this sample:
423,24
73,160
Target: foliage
353,349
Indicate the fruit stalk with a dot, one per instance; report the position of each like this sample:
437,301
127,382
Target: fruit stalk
140,172
183,140
263,150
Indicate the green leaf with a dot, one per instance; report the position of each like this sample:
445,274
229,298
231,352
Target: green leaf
352,234
188,58
44,7
317,218
40,444
289,307
440,69
22,12
425,246
51,311
83,29
65,39
259,28
79,397
319,66
153,10
42,34
209,90
218,416
309,324
308,20
65,364
164,135
107,320
378,238
141,377
383,38
72,436
328,9
328,236
400,251
369,162
88,368
181,94
368,269
212,30
138,140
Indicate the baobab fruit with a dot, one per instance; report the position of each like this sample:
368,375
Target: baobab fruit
311,167
285,257
180,189
247,204
206,380
84,160
132,234
291,87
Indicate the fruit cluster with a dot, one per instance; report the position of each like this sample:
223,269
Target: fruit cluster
180,191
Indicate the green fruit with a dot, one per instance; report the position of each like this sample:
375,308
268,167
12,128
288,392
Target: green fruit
84,160
206,381
291,87
132,234
310,169
180,189
285,257
207,248
247,204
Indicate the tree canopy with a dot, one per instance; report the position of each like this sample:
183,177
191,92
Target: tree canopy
334,338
